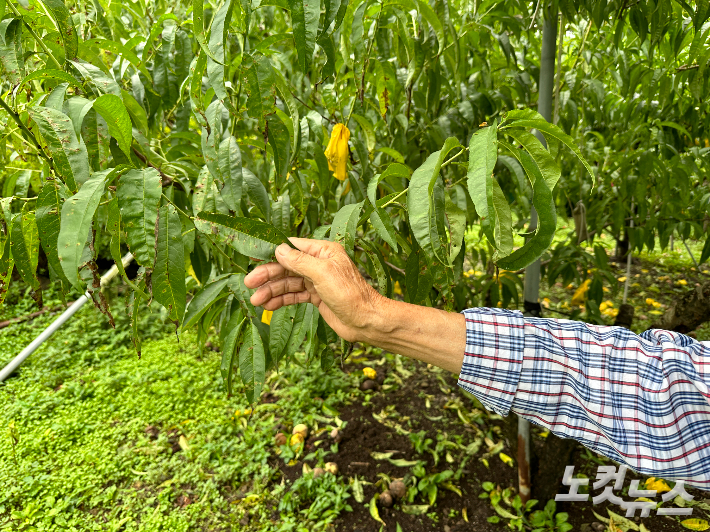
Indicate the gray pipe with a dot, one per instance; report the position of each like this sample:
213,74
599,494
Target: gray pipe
531,292
56,324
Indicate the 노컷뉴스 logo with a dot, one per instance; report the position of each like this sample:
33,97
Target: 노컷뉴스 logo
607,474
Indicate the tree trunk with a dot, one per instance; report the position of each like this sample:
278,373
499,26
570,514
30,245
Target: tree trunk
688,312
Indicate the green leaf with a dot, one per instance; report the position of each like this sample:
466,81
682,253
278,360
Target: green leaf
280,145
252,363
304,18
545,163
114,112
427,13
77,215
48,217
235,326
47,73
217,44
7,263
259,82
70,157
379,217
345,224
384,283
311,347
138,197
280,331
11,55
257,193
168,280
287,97
230,168
65,23
456,219
547,219
420,200
482,156
121,50
367,129
101,80
198,26
548,129
136,112
249,237
503,230
25,246
298,332
203,299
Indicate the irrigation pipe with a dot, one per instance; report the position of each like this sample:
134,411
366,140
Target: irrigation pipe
56,324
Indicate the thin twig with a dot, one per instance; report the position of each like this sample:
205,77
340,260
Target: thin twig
167,180
27,132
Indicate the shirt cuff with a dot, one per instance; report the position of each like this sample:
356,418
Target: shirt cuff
495,342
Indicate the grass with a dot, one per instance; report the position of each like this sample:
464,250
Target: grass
92,438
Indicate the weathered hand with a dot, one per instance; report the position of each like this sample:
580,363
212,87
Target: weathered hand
319,272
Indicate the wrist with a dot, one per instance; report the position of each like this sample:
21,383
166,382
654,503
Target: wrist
380,322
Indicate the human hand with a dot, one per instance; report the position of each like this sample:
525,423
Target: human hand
319,272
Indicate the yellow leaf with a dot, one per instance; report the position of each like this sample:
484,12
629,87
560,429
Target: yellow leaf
621,279
650,302
506,459
369,373
191,273
681,282
397,289
464,514
337,151
182,442
374,512
695,524
266,316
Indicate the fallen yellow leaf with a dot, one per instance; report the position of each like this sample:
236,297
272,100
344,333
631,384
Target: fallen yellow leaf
657,484
695,524
506,459
369,373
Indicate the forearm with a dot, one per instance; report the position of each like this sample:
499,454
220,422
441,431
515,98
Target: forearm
431,335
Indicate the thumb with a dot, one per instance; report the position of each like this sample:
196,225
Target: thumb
299,262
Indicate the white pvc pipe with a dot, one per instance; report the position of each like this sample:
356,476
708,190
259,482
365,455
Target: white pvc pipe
56,324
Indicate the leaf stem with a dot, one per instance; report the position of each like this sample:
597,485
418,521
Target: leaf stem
446,163
395,198
224,254
178,208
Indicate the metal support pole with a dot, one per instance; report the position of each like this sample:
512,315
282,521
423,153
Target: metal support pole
56,324
531,290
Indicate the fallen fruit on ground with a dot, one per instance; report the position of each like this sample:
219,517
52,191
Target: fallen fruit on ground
301,429
398,489
331,467
386,499
280,439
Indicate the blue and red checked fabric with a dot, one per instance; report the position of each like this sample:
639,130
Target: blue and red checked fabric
641,400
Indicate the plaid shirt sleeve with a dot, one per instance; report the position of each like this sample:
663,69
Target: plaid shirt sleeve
641,400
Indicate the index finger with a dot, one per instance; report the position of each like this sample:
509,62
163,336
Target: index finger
312,247
263,274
